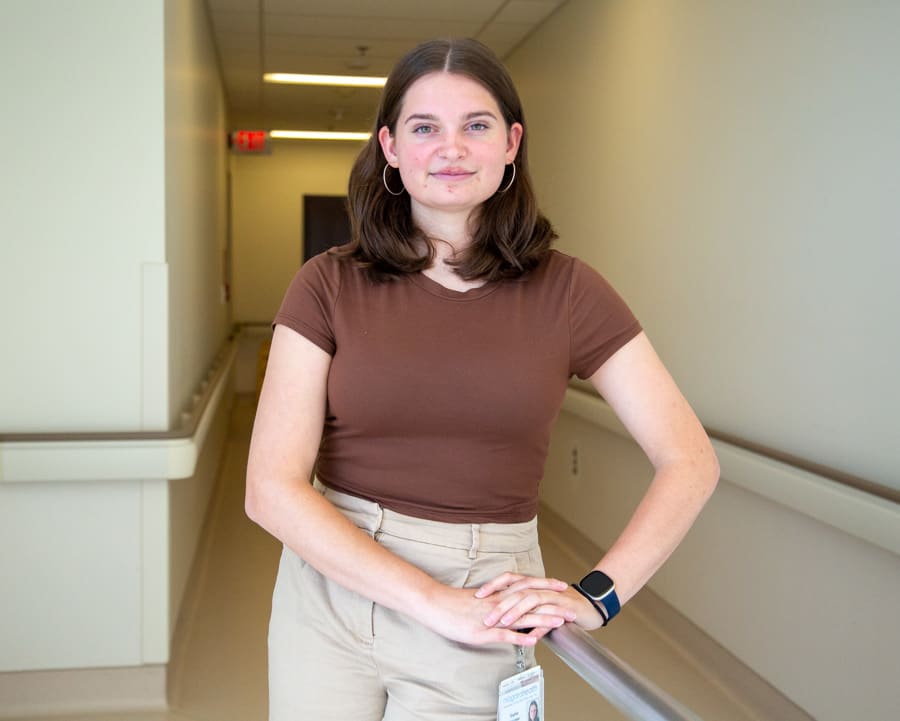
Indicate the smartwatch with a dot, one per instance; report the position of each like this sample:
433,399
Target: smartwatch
600,590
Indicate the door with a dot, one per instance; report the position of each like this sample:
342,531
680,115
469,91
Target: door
325,223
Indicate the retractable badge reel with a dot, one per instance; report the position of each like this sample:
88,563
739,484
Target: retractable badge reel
521,697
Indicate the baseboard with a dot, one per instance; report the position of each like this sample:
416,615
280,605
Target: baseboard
44,693
741,682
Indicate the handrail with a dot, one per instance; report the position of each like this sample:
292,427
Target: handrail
189,420
634,695
121,456
832,474
870,517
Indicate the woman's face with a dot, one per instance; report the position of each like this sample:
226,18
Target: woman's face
532,711
451,144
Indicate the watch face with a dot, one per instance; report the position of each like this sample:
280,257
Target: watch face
597,584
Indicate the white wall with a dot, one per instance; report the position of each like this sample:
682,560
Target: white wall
267,222
732,169
196,166
81,222
113,229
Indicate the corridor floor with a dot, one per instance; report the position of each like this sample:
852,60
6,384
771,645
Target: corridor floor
218,671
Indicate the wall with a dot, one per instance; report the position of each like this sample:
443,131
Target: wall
110,281
196,166
731,169
267,222
81,225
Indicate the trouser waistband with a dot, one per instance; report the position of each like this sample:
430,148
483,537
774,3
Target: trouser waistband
373,518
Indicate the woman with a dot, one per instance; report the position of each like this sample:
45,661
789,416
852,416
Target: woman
419,370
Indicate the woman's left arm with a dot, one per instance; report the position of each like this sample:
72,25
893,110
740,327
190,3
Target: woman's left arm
645,398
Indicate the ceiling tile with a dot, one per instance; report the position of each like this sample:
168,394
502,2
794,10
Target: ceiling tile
526,11
505,33
376,28
235,22
247,60
247,6
230,42
339,47
287,62
478,11
323,35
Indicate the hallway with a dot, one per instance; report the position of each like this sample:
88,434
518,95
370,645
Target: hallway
218,670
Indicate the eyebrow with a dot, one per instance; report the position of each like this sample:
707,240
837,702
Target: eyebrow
468,116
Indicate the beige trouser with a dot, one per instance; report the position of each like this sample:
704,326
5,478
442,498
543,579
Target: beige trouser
333,654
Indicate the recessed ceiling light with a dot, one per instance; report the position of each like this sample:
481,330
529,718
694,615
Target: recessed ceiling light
357,81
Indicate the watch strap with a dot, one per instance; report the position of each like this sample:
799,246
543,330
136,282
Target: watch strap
600,608
611,602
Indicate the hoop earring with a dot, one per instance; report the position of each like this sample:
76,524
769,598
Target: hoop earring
511,180
384,180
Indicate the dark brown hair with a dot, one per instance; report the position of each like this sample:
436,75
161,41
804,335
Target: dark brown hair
511,236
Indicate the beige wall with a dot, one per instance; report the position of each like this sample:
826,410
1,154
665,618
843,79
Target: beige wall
82,221
109,283
196,208
732,168
267,224
196,165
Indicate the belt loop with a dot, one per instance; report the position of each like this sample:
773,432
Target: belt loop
379,519
473,549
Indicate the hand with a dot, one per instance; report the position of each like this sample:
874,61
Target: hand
531,601
461,615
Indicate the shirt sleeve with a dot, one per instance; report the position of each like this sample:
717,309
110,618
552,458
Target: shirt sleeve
600,322
308,304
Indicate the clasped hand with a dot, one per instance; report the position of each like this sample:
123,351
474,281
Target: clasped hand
500,610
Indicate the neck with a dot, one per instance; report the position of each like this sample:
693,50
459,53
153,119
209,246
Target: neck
449,232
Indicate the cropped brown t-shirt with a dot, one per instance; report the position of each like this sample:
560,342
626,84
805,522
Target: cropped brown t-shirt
440,402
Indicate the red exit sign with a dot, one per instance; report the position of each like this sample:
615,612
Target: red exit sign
250,141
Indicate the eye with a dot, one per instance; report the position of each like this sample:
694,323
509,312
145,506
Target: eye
478,126
423,130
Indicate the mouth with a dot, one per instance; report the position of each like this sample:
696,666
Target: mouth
453,174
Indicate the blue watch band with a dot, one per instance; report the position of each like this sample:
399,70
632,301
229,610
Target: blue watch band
600,590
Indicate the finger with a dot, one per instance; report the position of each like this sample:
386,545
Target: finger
510,610
553,609
495,584
531,621
505,635
539,633
528,583
510,607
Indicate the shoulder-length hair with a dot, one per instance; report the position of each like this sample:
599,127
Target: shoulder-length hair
511,236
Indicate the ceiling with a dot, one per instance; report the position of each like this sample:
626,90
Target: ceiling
343,37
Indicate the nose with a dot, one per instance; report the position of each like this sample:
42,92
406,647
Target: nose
454,146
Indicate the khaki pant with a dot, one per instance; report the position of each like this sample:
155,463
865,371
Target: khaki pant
333,654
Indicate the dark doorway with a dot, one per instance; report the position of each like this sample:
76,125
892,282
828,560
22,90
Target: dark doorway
325,223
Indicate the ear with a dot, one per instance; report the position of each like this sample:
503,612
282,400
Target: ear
513,139
386,140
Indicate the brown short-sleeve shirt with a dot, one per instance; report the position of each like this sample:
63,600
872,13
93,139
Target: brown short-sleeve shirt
440,402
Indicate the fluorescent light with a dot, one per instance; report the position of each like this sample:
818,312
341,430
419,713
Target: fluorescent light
317,135
358,81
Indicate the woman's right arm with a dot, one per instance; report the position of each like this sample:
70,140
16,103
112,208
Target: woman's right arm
286,436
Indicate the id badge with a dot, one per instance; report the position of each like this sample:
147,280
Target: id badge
522,696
